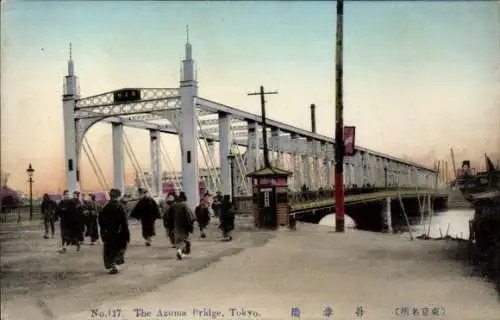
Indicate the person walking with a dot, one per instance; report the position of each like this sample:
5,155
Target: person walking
217,204
80,208
183,219
202,216
48,209
71,216
226,219
115,233
92,210
168,222
146,210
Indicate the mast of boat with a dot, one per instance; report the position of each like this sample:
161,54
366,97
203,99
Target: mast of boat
453,162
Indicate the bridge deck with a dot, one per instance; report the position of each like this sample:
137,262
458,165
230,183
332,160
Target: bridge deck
375,196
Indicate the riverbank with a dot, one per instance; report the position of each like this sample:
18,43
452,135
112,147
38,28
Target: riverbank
313,268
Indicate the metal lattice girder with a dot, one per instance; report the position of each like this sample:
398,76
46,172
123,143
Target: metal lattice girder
202,112
209,122
247,116
144,117
143,106
107,98
235,129
215,122
240,134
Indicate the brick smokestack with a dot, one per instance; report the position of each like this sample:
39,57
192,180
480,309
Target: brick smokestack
313,118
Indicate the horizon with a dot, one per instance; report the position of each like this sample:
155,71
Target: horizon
420,77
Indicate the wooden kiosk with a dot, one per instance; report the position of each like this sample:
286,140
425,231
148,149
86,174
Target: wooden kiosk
270,198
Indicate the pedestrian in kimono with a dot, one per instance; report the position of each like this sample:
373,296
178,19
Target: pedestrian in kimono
168,222
92,210
115,233
146,210
183,219
48,209
226,219
70,212
202,216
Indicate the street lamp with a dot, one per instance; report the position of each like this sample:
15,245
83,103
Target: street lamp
230,158
30,171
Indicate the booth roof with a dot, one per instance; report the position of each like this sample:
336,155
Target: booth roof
270,172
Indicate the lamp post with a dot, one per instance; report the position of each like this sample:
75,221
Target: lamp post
30,171
230,158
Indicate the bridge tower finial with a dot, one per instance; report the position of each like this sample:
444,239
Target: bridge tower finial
71,66
189,50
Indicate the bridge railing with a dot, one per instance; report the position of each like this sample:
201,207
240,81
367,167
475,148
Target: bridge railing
244,204
18,213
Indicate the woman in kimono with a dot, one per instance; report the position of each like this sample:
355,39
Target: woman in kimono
182,218
146,210
115,233
70,212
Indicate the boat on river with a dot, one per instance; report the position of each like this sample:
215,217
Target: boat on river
475,186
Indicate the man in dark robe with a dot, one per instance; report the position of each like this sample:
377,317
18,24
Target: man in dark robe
227,219
92,210
70,212
115,233
183,219
48,209
217,204
202,216
146,210
80,206
168,222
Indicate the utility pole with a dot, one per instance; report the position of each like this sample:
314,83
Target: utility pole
262,95
339,122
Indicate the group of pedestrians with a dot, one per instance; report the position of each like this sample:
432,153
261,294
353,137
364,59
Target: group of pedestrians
87,218
78,219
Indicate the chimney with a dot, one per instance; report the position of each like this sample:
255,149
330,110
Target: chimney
313,118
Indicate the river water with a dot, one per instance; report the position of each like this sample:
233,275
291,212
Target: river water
454,223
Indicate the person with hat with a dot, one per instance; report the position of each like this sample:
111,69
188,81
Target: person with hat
147,211
115,233
183,219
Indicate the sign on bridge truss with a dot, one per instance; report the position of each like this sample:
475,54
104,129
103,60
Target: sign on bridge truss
108,98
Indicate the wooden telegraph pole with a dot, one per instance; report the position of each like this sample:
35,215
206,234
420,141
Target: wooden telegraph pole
262,95
339,122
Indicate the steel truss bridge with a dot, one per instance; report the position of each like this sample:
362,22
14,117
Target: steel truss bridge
180,111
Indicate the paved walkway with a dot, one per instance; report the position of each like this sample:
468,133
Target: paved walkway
310,269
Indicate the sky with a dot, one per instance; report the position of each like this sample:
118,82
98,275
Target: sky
419,77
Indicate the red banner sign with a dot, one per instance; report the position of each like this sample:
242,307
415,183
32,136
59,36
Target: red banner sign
349,141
